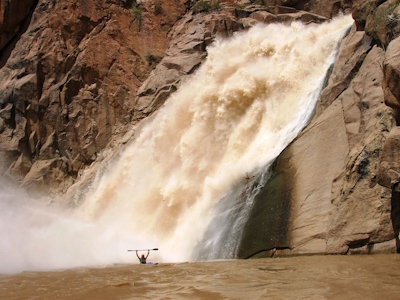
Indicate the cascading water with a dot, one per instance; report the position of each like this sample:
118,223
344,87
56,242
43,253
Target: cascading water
181,185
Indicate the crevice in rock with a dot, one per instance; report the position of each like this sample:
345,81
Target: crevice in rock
9,47
395,217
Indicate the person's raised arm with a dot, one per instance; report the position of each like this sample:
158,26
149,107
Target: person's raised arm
137,255
148,252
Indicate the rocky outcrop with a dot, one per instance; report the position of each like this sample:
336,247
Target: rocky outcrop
70,84
325,8
391,73
389,168
383,23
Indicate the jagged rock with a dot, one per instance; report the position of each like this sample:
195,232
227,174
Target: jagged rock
21,166
391,71
33,141
389,167
361,10
38,171
264,17
288,17
325,8
46,151
279,10
383,23
353,48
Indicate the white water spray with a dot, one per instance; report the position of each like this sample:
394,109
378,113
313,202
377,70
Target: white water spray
246,103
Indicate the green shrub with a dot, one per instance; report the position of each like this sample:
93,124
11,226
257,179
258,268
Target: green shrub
260,2
204,5
153,60
137,13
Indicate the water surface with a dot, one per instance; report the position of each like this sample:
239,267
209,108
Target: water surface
306,277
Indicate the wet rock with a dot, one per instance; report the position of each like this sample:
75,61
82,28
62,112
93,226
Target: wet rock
353,51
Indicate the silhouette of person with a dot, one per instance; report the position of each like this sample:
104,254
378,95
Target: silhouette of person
142,259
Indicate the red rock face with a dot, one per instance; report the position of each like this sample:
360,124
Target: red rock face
72,79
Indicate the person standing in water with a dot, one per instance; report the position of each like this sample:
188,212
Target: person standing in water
142,259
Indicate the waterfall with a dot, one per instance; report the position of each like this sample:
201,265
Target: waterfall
187,181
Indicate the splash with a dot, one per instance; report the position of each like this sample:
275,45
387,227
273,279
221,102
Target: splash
248,101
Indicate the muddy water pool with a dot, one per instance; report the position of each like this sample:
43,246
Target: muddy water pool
303,277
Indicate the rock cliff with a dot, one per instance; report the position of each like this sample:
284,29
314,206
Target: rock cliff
76,76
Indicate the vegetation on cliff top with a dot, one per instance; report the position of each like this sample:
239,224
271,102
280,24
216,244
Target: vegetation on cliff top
137,13
204,5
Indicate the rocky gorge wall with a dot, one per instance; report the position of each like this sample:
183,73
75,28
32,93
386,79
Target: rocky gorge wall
79,76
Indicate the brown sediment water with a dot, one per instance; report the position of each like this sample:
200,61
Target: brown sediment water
303,277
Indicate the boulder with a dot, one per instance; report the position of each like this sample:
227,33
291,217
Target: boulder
391,72
383,23
361,9
389,166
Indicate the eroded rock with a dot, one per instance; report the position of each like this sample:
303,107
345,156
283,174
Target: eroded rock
391,71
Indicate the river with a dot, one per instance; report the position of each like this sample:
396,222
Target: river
302,277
